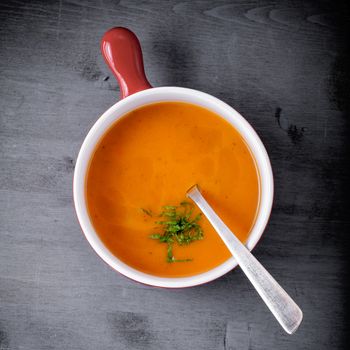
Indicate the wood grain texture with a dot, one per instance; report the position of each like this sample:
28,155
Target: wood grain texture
282,64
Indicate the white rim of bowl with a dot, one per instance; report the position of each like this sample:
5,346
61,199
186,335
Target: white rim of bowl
175,94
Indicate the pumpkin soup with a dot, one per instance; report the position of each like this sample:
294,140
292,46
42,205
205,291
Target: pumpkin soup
146,162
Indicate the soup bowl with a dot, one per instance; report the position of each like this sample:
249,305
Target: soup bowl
122,52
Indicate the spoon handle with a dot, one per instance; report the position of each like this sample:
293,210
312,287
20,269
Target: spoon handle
286,311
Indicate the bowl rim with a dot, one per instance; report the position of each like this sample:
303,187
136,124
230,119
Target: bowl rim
171,94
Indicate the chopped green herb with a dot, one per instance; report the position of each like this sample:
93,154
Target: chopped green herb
178,227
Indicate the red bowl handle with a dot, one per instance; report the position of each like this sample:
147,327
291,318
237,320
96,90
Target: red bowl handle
122,52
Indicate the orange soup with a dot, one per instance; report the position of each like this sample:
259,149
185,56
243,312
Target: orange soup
148,159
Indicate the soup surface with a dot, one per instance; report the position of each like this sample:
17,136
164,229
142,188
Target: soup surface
150,158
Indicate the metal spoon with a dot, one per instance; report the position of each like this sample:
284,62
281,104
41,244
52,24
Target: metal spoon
286,311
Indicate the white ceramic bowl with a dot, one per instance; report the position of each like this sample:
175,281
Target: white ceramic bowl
173,94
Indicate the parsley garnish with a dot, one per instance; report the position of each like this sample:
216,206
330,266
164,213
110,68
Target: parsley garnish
179,226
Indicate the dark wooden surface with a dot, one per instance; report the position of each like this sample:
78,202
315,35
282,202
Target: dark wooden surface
282,64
